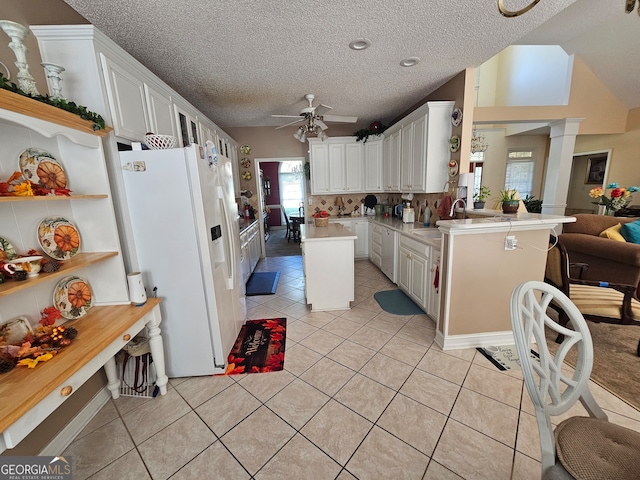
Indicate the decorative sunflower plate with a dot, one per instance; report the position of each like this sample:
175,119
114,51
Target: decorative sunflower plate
40,167
59,238
245,149
73,297
7,252
246,175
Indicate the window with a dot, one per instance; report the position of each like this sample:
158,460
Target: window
521,166
476,163
291,185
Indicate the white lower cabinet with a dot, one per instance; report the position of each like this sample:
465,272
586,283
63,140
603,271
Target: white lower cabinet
249,250
360,228
414,270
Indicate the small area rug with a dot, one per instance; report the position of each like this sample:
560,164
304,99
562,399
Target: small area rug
262,283
259,347
397,303
504,357
615,360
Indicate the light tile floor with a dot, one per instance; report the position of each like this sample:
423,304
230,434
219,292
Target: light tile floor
364,395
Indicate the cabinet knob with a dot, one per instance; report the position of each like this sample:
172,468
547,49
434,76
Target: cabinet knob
66,391
126,337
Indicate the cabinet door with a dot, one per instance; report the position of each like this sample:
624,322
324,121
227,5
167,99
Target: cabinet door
160,109
419,274
406,158
126,101
373,166
353,166
319,159
391,171
419,154
337,174
439,133
404,269
362,243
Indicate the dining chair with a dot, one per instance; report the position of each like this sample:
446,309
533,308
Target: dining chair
289,233
580,447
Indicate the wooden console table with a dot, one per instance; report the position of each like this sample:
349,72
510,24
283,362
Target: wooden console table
31,395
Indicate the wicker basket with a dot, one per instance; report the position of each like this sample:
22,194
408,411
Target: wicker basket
160,142
321,222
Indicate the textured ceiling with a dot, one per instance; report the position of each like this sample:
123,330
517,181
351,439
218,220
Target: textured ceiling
239,61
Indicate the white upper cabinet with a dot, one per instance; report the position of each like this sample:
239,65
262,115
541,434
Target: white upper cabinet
336,165
160,110
391,169
319,159
424,149
126,100
373,153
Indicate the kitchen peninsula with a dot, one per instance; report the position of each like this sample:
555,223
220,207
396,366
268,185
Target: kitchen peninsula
328,256
479,272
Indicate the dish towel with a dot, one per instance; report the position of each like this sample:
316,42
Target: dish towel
445,207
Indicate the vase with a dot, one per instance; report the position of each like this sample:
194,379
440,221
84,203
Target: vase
608,211
17,33
510,206
52,72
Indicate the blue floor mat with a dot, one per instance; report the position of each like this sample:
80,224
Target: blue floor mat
262,283
397,303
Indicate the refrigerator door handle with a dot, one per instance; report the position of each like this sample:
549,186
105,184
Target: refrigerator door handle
231,252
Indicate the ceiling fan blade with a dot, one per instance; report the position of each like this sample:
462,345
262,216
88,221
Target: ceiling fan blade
321,124
290,123
321,110
284,116
339,118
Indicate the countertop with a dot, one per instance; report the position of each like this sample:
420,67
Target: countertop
334,231
495,219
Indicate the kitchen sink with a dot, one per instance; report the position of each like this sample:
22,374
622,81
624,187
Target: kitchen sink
426,232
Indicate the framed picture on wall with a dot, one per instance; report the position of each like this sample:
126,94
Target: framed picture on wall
595,170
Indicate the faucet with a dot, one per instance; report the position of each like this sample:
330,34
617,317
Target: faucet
464,208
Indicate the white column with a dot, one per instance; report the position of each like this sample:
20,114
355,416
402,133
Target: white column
558,172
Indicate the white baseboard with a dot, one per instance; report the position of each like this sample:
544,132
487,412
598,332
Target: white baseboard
456,342
77,423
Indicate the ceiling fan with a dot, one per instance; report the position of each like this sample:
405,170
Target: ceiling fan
314,118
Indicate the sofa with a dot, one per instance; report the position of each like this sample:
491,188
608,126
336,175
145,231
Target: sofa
608,260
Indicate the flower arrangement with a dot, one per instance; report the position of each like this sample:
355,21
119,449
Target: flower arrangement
376,128
617,198
35,346
321,214
19,186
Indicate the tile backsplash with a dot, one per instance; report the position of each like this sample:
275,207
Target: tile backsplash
353,202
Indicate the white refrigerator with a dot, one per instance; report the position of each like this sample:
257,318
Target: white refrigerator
184,221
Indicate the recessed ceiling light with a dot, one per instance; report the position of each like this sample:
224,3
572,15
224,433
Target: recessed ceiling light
410,62
360,44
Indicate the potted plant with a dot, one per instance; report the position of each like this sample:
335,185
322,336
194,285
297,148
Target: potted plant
510,200
480,197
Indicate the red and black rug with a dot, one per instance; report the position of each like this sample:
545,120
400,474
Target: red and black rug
259,347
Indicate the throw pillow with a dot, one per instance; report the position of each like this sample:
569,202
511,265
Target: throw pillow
613,233
631,231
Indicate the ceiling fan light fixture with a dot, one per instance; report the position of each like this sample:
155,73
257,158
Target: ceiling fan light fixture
410,62
360,44
298,134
